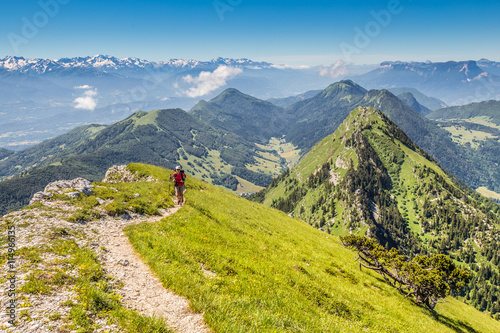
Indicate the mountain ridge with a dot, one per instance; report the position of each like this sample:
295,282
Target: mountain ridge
369,178
455,82
162,137
242,266
242,114
104,62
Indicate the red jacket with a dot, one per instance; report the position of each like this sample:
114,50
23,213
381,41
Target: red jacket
179,178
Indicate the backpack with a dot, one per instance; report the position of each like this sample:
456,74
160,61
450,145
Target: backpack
183,178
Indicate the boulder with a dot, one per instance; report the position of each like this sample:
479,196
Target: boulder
72,188
81,185
39,196
121,174
73,195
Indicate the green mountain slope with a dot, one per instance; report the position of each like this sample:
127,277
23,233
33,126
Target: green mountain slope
488,109
247,116
431,103
370,178
409,99
243,266
47,151
253,269
162,137
322,114
287,101
476,126
5,153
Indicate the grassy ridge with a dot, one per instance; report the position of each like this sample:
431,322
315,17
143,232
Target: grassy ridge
420,201
253,269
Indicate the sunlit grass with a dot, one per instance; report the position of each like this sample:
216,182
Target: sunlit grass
278,274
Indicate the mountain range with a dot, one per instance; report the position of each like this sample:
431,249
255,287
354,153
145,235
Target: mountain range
43,98
455,82
264,138
162,137
108,64
235,265
369,178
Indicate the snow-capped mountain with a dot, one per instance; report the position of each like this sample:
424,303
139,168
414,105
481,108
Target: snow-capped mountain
42,98
112,64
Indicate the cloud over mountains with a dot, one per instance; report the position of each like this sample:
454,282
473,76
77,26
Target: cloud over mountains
206,82
88,101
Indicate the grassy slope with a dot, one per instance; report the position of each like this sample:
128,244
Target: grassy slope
45,152
487,193
277,274
161,137
476,125
482,109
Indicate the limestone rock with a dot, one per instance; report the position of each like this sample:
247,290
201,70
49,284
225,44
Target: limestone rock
39,196
79,184
72,188
120,174
73,195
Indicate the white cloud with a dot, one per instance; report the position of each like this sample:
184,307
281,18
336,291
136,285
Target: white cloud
207,82
335,70
88,101
85,86
290,66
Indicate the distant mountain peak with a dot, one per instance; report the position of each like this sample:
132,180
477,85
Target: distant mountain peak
101,62
344,87
469,68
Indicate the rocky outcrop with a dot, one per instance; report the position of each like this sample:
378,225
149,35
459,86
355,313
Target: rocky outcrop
71,188
48,241
121,174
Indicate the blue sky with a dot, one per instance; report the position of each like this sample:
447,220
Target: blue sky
282,32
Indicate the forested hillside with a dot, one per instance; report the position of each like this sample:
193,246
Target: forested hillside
369,178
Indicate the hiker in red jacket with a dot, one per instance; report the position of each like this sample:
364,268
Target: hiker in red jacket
179,177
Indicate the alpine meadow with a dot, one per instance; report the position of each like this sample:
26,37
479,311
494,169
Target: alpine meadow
250,166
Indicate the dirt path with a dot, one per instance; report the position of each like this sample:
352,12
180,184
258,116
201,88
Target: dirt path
142,290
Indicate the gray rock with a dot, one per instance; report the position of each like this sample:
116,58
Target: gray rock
73,195
120,173
100,201
39,196
137,195
78,184
85,190
124,262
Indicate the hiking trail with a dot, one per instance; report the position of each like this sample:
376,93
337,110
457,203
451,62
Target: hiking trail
142,290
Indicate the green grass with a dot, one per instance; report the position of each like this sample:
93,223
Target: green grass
487,193
483,120
464,136
140,197
278,274
95,295
80,269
